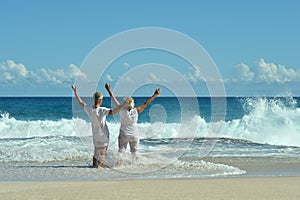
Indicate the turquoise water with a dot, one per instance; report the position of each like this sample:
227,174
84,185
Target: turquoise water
49,138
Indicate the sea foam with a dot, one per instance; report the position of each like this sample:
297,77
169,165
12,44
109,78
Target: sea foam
272,121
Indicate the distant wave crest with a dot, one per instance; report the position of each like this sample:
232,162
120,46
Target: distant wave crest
266,120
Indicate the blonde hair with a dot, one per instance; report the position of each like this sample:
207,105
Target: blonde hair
97,97
130,102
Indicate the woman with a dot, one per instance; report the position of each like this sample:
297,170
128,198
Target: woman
129,117
100,130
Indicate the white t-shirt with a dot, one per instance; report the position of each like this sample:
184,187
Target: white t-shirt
99,126
129,122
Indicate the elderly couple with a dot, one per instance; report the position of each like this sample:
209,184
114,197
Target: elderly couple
128,116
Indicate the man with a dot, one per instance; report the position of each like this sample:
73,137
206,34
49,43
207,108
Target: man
97,115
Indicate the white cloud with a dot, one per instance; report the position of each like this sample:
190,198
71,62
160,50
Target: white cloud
195,74
7,76
126,79
154,78
242,71
49,75
12,72
74,71
125,65
270,72
18,74
17,69
108,77
265,72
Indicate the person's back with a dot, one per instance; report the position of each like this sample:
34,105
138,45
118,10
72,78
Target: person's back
100,131
99,127
129,118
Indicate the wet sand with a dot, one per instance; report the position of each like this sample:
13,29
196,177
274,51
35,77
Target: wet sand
214,188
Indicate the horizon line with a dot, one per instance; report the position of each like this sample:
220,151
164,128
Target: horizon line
64,96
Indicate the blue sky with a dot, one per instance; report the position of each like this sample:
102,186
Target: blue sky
255,44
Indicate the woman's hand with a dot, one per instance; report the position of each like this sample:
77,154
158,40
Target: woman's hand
126,101
74,88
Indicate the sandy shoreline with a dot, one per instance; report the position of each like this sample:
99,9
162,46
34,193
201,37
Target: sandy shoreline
218,188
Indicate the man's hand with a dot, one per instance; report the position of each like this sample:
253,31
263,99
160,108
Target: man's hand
107,86
157,92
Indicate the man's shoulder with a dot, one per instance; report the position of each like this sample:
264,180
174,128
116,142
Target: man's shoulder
87,107
103,109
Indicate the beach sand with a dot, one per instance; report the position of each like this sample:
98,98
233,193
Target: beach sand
215,188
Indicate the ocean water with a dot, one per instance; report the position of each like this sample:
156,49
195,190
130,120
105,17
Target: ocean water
49,138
